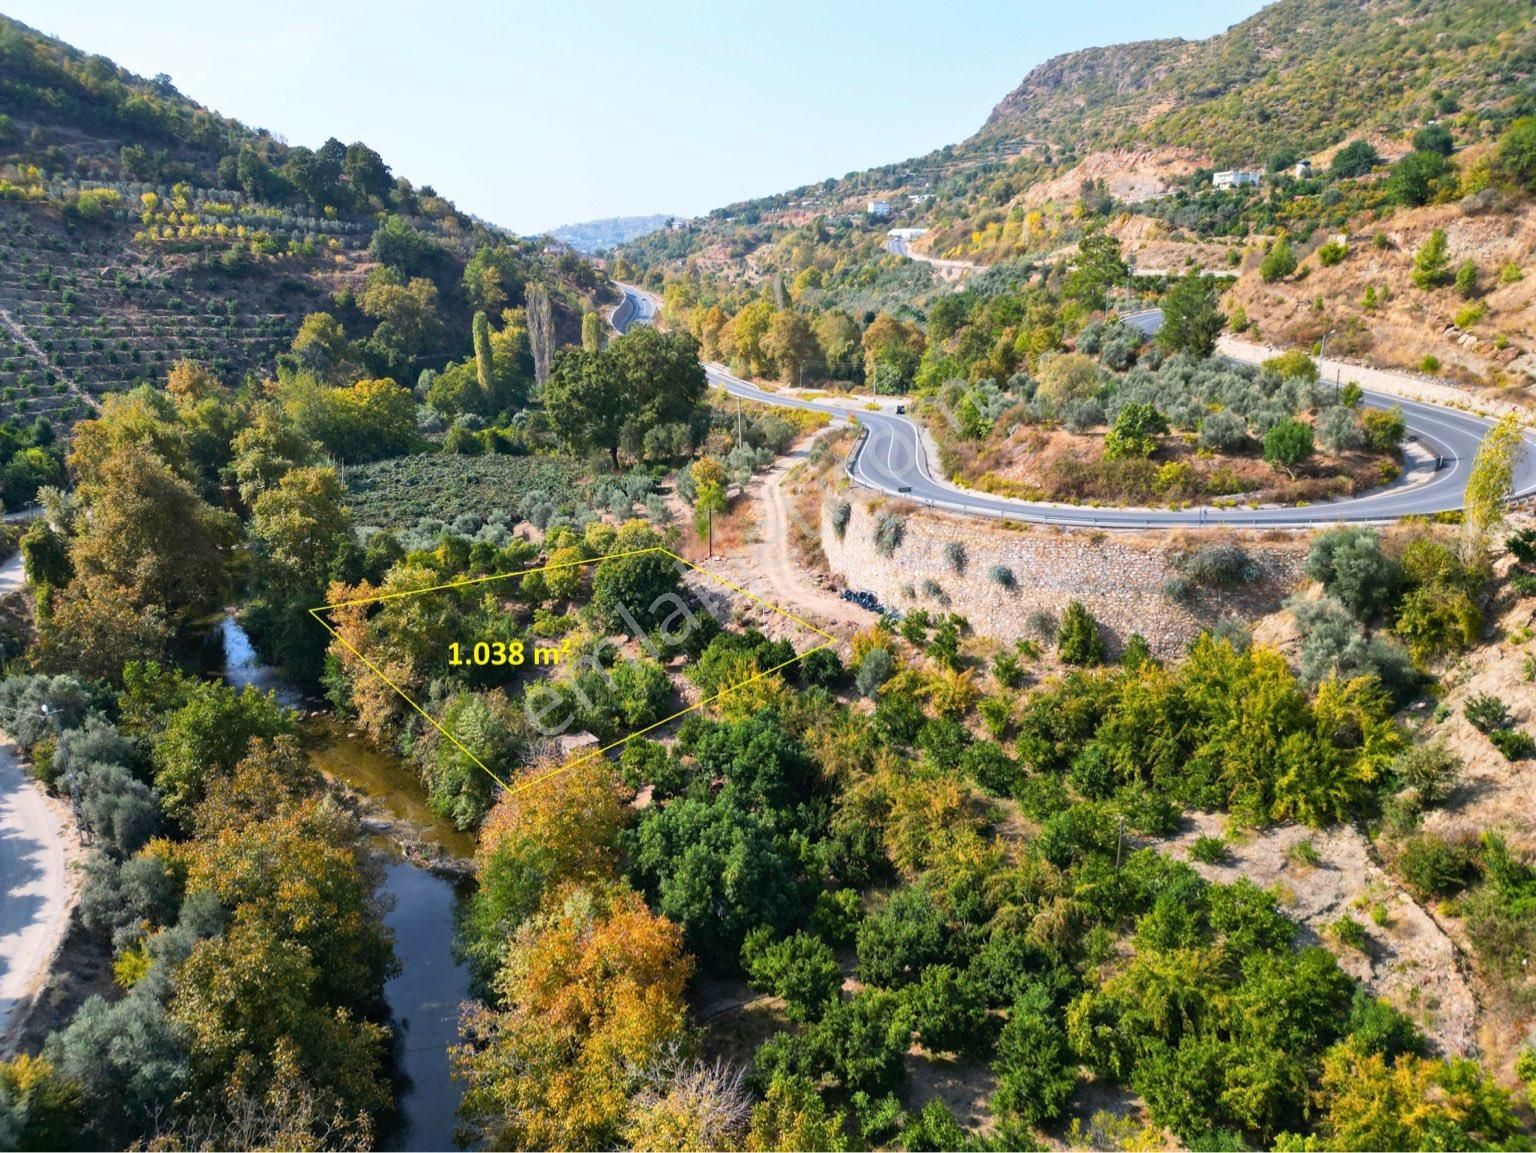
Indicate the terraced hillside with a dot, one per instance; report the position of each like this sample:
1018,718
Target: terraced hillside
138,228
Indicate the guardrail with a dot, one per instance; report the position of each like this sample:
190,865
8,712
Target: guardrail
614,321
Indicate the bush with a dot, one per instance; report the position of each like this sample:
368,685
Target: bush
1332,253
1209,850
1288,443
1078,641
1513,743
1001,574
1431,770
842,512
1384,428
1349,932
1219,566
1487,713
1351,567
889,531
874,670
1279,262
954,554
1433,867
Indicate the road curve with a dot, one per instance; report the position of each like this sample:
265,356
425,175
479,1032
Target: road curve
892,458
35,898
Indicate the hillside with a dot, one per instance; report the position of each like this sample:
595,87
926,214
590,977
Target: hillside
595,235
1126,139
138,228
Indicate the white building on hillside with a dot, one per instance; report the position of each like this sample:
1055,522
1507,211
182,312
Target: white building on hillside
1236,178
880,208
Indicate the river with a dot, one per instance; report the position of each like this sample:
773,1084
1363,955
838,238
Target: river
424,999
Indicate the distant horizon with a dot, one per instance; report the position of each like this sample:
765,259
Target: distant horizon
616,113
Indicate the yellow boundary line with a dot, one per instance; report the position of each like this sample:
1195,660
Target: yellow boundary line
828,641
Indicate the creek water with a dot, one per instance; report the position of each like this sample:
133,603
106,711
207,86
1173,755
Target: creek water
424,999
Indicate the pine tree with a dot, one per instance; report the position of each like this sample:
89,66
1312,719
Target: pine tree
1432,263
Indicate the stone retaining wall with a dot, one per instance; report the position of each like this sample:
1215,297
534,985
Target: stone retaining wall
1120,577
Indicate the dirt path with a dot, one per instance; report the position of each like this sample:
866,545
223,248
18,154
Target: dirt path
772,552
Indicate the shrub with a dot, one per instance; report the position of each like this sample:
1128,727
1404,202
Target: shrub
1469,315
1513,743
1384,428
1351,567
889,531
1431,866
1432,262
1078,641
1487,713
1431,770
1219,566
1001,574
1279,262
954,555
874,670
1209,850
1468,281
1334,252
1288,443
1349,932
842,513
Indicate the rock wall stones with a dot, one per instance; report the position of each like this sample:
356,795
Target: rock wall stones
1120,577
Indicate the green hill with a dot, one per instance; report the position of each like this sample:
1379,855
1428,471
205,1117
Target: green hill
138,228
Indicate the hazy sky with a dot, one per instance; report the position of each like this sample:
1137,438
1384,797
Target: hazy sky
536,115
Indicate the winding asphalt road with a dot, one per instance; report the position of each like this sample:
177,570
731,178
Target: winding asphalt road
892,458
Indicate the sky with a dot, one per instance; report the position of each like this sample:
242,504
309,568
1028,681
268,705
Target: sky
533,115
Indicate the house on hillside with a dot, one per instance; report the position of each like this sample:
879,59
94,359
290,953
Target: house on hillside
1237,178
1303,170
881,208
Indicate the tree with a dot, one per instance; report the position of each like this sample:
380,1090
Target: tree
1416,178
1078,641
1434,138
637,590
949,1011
591,331
1517,152
1293,364
1036,1074
1067,377
1350,565
791,343
1384,428
1098,266
1356,158
1288,443
1432,262
1369,1102
366,171
713,867
1491,482
485,359
892,350
207,736
321,348
541,331
591,991
1279,262
1192,319
1134,432
558,826
800,969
